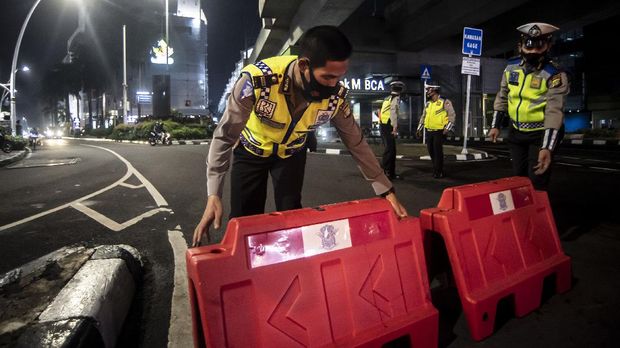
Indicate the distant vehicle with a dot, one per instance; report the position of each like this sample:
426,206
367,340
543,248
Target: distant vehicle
163,138
5,144
53,133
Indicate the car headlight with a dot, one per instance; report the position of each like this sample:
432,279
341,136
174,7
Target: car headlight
59,133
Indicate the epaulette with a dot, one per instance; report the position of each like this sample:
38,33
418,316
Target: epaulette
342,92
552,68
514,60
264,81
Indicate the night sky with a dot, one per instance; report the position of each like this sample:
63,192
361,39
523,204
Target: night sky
54,21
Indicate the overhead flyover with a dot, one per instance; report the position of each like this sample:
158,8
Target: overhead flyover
284,21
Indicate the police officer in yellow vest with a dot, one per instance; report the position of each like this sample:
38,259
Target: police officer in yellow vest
272,107
532,94
388,121
438,119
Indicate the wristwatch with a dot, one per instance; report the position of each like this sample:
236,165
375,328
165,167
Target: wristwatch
391,190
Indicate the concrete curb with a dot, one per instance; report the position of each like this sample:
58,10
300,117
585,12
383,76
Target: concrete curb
565,141
458,157
91,307
14,157
142,142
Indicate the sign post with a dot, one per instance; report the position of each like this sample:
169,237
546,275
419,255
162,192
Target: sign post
472,45
425,75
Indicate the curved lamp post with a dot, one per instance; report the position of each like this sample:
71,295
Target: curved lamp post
14,66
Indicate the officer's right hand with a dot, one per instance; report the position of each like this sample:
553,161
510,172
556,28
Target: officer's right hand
493,134
212,214
418,134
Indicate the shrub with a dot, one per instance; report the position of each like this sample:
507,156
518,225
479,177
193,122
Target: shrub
19,142
100,132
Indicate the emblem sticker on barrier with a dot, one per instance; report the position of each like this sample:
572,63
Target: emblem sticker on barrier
501,202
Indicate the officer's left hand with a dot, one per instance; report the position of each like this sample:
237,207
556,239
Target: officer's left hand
544,161
394,131
398,208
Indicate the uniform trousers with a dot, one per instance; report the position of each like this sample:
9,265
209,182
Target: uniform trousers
524,148
434,145
388,160
248,181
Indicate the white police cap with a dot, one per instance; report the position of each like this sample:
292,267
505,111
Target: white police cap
431,86
537,29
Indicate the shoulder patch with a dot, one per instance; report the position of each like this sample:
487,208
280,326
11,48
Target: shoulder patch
555,81
247,90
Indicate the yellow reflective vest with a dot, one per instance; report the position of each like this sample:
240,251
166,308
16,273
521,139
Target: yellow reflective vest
271,128
527,94
386,108
436,116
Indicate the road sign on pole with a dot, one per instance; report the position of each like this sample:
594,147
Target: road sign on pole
425,72
471,66
472,41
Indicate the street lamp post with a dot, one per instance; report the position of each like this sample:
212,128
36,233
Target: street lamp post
7,88
14,66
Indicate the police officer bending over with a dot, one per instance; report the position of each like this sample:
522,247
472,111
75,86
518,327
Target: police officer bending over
532,94
272,107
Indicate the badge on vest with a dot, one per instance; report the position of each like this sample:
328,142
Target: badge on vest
322,116
513,79
536,82
265,108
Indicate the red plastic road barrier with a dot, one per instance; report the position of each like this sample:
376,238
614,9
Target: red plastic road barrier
349,274
501,240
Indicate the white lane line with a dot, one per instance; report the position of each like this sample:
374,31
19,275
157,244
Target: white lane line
606,169
132,186
130,171
159,199
111,224
332,151
180,331
569,164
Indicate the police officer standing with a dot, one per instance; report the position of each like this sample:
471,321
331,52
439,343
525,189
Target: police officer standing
438,119
273,105
388,121
532,94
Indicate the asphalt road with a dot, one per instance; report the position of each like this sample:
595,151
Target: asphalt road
149,197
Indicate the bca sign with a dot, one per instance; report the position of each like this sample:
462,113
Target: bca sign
369,85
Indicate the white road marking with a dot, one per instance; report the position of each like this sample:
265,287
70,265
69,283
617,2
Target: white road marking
606,169
159,199
111,224
132,186
180,330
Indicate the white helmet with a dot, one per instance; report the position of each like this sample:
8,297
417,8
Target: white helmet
397,87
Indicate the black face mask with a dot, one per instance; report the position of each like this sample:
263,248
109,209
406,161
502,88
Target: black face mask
533,59
314,91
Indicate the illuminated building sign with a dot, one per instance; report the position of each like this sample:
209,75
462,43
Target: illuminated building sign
159,53
367,85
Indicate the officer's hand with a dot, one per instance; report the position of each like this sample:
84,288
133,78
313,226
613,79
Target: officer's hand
398,208
493,134
544,161
394,131
445,131
213,213
418,134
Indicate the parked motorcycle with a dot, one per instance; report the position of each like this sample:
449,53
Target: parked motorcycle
5,144
163,139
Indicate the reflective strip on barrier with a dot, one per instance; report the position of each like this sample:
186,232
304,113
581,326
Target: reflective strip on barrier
502,240
348,274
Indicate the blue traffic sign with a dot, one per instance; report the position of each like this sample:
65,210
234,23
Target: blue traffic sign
425,72
472,41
